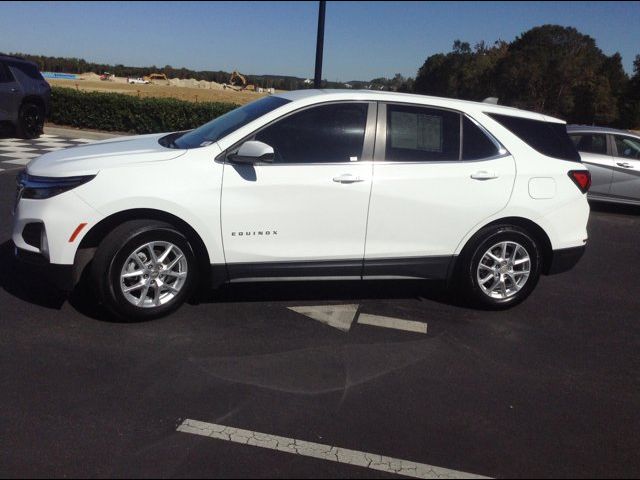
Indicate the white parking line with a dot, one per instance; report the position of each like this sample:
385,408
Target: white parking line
390,322
318,450
337,316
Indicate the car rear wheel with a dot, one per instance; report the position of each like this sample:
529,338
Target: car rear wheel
144,270
501,267
30,121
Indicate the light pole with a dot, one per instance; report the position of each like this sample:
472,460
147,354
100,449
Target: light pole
319,44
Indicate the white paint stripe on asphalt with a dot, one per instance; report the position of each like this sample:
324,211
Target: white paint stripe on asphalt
337,316
318,450
390,322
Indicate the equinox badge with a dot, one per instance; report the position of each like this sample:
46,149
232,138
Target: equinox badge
257,233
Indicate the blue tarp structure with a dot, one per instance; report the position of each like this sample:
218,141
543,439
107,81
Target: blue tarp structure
70,76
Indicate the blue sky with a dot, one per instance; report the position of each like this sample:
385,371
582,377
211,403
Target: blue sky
363,39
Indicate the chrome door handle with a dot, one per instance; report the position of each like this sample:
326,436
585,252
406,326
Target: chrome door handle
14,90
347,178
482,175
624,164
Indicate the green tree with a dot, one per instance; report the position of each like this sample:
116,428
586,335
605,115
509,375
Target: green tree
462,73
630,103
551,69
559,71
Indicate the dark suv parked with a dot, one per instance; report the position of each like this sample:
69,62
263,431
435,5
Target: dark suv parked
24,96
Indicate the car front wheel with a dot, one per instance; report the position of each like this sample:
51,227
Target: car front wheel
144,270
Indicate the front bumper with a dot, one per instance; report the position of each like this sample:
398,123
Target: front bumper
59,276
565,259
60,216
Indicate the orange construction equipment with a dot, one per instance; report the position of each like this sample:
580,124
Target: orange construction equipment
156,76
238,82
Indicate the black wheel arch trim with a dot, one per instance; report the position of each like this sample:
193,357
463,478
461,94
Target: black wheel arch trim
36,100
526,224
91,240
565,259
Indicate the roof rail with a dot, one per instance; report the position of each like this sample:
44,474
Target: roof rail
12,56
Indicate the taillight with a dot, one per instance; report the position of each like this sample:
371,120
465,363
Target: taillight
582,179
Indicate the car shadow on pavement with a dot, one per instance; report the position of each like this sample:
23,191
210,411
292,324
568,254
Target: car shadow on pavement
24,283
7,130
20,281
334,290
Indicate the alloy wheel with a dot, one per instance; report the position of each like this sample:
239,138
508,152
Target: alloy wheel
503,270
153,274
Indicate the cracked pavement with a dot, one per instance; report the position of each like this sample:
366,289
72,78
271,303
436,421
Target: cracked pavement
317,450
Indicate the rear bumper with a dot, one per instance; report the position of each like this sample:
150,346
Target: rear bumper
58,276
565,259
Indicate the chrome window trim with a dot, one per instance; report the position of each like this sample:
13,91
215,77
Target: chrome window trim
374,144
268,164
444,162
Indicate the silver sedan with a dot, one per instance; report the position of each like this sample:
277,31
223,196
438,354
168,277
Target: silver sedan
613,158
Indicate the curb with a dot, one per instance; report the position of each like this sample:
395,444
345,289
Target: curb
76,133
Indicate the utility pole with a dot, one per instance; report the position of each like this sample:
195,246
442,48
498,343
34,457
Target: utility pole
319,44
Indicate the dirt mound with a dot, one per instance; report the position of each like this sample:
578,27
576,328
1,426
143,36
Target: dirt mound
90,76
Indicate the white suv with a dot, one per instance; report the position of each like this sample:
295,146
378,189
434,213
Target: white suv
312,185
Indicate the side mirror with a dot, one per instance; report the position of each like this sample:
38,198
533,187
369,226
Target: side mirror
252,152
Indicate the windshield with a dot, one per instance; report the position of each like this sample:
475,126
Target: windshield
225,124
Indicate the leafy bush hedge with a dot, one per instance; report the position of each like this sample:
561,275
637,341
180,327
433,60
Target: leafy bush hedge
126,113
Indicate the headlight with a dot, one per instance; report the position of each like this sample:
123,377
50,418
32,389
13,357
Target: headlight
39,188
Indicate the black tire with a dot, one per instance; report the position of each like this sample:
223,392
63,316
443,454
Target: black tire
30,121
112,255
474,252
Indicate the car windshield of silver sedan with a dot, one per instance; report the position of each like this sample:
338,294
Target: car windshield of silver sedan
223,125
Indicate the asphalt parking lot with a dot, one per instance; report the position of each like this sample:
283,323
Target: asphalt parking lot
549,388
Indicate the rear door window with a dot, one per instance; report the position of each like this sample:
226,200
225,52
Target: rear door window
590,142
548,138
422,134
627,147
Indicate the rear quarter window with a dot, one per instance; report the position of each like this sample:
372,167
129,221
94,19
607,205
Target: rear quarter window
548,138
28,69
475,144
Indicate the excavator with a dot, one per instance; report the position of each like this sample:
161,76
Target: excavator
156,76
238,82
